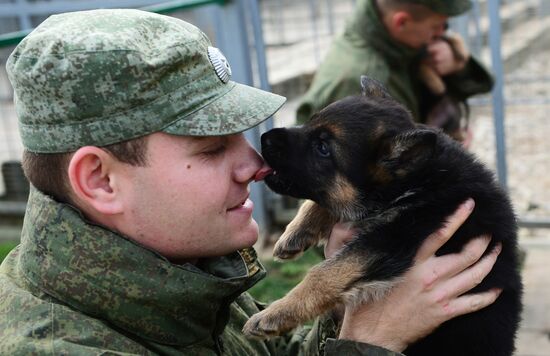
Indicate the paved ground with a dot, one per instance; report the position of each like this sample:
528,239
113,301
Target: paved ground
534,336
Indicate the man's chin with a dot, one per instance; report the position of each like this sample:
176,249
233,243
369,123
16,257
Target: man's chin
248,236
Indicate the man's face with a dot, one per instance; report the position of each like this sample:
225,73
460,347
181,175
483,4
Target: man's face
191,200
419,33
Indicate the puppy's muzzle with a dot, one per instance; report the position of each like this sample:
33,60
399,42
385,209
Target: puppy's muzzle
274,146
275,150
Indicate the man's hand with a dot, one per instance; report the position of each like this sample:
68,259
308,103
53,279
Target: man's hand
340,235
442,58
430,292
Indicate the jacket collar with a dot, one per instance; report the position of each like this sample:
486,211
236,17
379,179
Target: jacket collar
366,28
104,274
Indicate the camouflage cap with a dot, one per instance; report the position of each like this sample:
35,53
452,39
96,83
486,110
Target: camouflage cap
104,76
445,7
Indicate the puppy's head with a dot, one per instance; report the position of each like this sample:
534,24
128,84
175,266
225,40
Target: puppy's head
356,150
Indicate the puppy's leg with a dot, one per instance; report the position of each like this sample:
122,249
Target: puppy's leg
321,290
311,225
433,81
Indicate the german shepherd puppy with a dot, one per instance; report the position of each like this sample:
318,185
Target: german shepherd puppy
363,160
438,106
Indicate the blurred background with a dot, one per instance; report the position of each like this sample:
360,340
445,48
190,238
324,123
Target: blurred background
278,44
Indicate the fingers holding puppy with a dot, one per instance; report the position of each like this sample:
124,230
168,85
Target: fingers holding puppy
456,303
340,235
449,276
430,293
436,240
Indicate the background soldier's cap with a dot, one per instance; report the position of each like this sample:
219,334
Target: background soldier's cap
445,7
105,76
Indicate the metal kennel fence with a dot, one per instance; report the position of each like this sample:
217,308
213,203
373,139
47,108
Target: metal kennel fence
510,37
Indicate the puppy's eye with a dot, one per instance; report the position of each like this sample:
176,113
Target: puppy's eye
322,149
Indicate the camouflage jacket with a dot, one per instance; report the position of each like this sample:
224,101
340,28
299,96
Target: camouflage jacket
366,48
72,288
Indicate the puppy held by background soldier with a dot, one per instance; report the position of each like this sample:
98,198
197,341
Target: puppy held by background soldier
363,160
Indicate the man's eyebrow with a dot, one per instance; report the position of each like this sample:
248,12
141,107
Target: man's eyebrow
199,140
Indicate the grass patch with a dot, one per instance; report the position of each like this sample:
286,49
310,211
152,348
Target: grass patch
283,276
5,248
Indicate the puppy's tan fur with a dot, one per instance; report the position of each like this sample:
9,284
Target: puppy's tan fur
319,292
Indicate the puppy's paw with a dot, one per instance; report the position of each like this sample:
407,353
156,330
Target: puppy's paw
266,324
281,252
292,245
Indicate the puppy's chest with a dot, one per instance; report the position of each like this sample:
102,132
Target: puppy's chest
382,219
396,227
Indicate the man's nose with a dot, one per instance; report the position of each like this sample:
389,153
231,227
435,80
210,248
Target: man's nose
250,164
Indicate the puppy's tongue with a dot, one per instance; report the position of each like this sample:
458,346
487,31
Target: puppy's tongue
262,173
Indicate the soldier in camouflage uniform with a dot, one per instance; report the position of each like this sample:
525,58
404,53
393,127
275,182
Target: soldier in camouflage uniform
388,40
152,254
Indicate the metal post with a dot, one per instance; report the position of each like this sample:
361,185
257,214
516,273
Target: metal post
24,19
534,223
259,45
498,90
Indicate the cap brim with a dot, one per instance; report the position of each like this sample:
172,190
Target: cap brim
240,109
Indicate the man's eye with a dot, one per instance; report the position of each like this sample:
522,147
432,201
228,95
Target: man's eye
214,151
322,149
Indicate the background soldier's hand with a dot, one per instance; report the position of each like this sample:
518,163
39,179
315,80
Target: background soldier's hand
442,58
430,293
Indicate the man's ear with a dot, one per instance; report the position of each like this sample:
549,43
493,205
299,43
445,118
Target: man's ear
399,20
409,151
94,182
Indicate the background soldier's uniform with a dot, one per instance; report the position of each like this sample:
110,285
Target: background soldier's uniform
73,287
366,48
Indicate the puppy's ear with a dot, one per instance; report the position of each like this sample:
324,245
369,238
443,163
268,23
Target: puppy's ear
373,88
409,151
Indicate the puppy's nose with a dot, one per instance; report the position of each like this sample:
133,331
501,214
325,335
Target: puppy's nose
275,138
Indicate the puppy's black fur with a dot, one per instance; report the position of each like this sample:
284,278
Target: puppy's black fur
362,159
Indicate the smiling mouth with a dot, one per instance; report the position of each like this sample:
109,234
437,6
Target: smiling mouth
241,204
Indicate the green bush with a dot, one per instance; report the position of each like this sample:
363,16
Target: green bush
5,248
283,276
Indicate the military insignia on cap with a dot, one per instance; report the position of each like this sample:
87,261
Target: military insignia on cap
220,63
